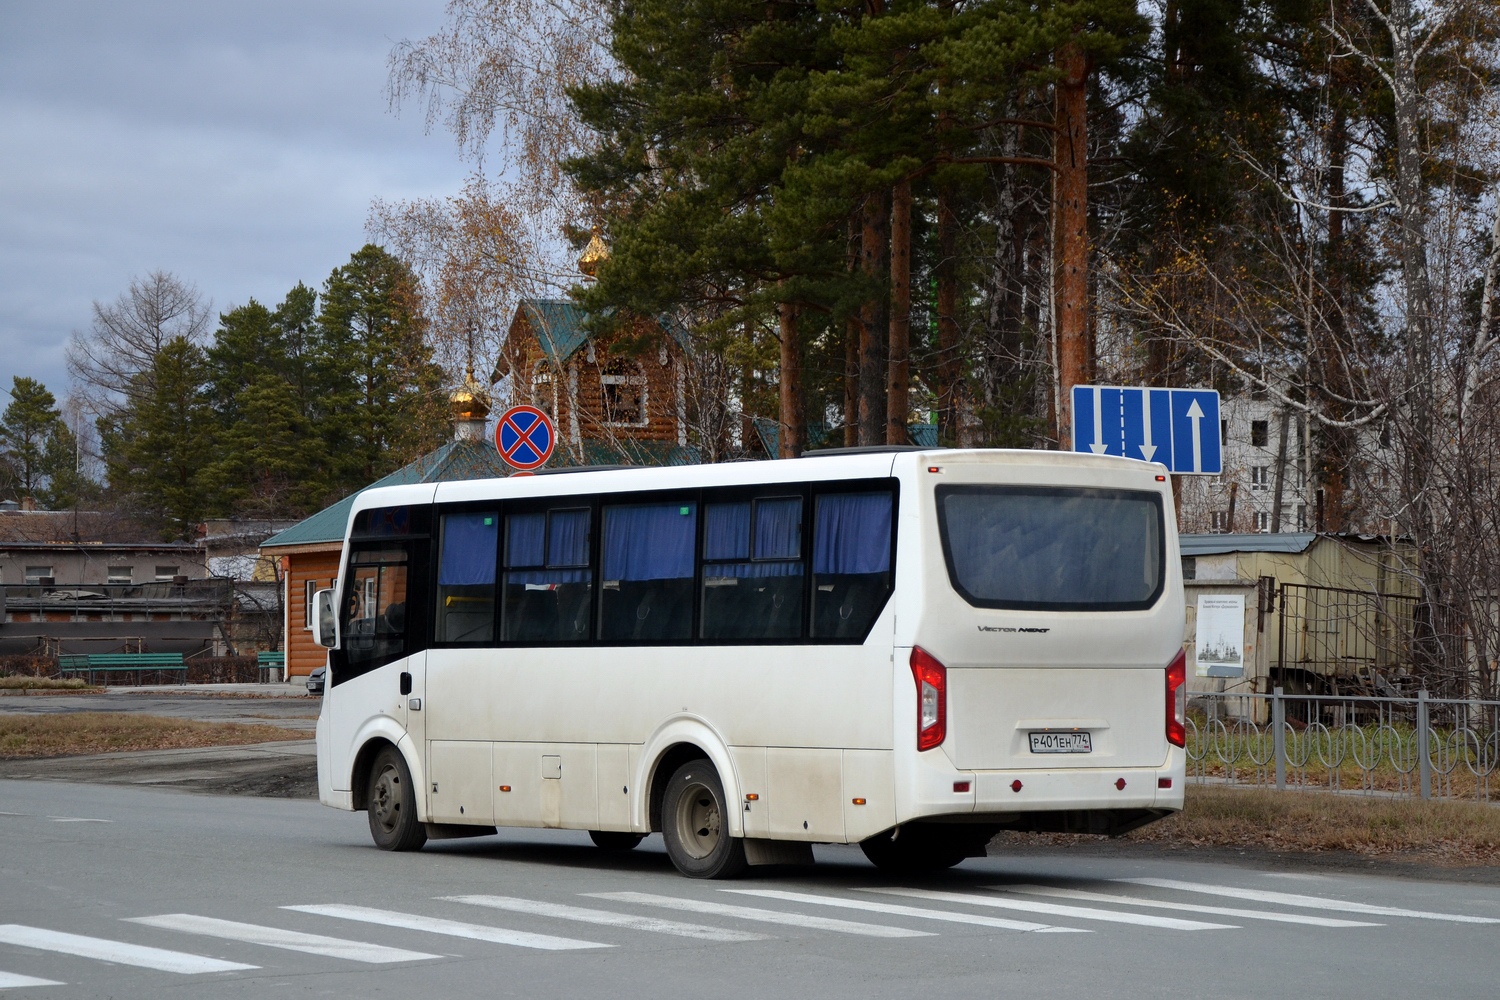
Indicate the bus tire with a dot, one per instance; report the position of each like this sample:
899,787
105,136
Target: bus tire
695,824
392,804
610,840
911,850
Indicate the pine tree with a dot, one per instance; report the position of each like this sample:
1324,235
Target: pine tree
157,447
381,406
30,419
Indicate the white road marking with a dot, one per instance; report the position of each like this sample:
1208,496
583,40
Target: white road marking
1222,911
114,951
561,911
1057,910
909,911
756,913
12,980
277,937
1311,902
452,928
77,819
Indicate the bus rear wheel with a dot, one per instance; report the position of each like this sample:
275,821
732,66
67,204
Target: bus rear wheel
611,840
392,804
694,824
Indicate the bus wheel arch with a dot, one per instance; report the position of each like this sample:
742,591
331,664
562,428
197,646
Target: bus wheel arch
364,763
673,745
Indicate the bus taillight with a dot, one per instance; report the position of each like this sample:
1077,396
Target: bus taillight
932,698
1176,700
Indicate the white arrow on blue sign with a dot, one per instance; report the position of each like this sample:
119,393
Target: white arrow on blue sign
1177,427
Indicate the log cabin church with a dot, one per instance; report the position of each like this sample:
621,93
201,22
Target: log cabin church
610,405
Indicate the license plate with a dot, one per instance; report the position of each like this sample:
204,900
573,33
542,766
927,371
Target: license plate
1061,743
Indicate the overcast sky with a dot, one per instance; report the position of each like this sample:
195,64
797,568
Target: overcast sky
235,144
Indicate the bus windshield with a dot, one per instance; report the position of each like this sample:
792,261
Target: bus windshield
1052,548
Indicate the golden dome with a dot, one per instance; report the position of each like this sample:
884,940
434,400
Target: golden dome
593,254
469,401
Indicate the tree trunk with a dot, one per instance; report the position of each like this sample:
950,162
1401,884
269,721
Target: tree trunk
852,328
792,436
1276,501
874,246
948,368
898,390
1070,224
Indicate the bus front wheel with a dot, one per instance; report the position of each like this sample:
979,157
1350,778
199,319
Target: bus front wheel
392,804
695,824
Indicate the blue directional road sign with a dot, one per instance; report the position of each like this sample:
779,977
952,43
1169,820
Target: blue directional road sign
1177,427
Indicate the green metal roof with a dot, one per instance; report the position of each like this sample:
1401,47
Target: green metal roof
559,326
454,461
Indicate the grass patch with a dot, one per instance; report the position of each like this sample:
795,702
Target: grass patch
43,684
1434,830
71,733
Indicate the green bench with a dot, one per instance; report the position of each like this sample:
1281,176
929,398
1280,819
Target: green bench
264,661
121,663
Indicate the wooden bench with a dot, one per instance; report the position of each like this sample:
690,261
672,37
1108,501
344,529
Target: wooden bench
120,663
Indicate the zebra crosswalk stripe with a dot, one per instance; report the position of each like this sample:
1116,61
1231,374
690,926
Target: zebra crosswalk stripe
121,952
608,918
756,913
908,911
14,980
1057,910
452,928
279,937
1309,902
1161,904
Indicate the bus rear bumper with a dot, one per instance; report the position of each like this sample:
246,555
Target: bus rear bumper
1022,798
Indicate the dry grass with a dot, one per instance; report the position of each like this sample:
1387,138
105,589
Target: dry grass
107,732
44,684
1445,832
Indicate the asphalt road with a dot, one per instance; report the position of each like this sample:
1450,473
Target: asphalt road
200,703
111,891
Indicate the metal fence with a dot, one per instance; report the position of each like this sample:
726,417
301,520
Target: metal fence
1419,746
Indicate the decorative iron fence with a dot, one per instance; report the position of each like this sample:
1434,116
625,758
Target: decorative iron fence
1419,746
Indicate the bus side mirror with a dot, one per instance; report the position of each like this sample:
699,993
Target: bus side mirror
325,622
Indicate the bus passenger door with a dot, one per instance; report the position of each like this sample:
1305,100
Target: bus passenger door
379,671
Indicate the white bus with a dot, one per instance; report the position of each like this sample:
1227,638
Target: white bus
906,649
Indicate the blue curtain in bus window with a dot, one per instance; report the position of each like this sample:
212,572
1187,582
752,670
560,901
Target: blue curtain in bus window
756,592
525,536
466,578
649,542
726,532
568,538
851,563
853,534
548,599
647,570
778,528
469,542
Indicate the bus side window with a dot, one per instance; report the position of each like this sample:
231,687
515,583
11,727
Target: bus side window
647,572
752,569
466,577
548,585
375,606
851,563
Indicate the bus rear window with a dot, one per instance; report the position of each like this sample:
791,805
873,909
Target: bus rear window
1052,548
